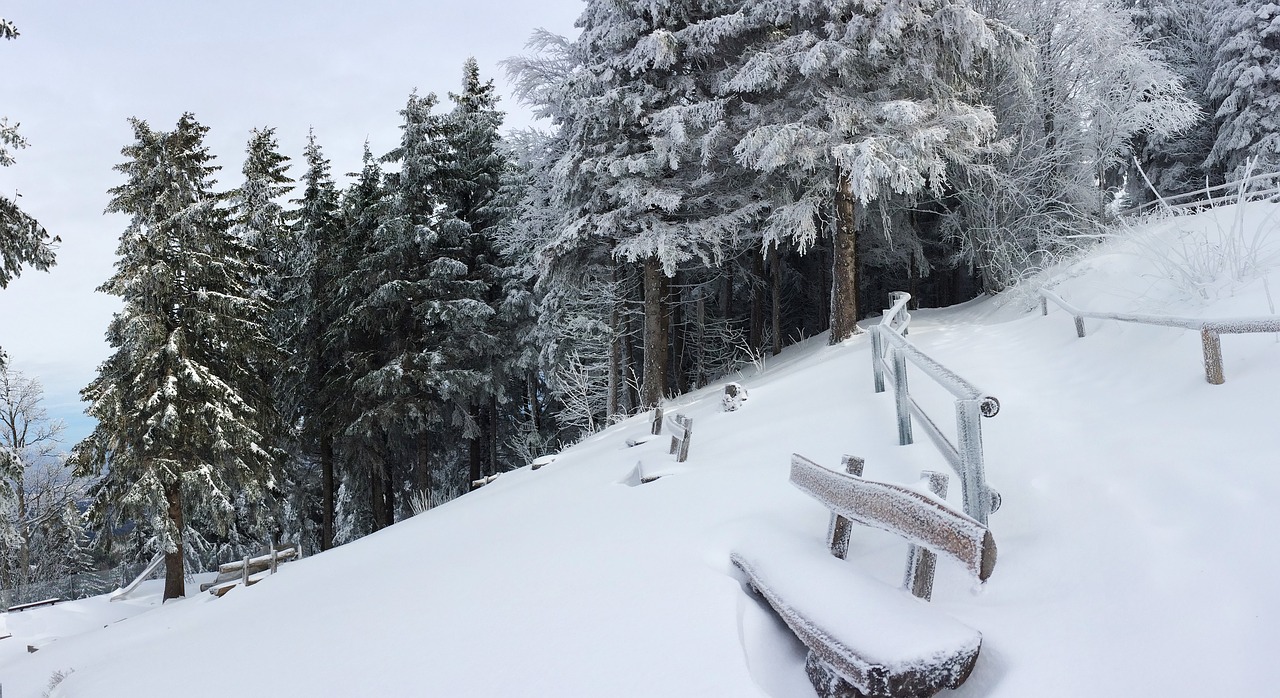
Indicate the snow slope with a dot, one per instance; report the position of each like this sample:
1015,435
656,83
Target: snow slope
1136,537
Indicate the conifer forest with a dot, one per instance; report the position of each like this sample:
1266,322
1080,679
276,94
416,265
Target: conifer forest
310,351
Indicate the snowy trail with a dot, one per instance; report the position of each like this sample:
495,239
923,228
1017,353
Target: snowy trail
1136,537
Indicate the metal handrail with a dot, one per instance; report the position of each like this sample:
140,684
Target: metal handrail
965,456
1210,329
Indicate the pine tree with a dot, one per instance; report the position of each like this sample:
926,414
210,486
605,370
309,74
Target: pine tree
257,217
1245,89
470,185
310,402
23,241
182,408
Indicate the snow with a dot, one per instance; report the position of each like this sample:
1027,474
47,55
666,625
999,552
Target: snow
884,625
1135,536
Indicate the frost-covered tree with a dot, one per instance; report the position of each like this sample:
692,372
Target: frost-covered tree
258,217
1181,34
1245,88
631,184
855,103
29,464
182,407
1069,117
23,241
474,204
309,400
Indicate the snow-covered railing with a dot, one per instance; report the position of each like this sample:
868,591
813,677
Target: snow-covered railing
249,571
1232,192
890,352
137,581
1210,330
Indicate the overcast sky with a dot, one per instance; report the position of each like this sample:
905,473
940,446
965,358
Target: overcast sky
81,68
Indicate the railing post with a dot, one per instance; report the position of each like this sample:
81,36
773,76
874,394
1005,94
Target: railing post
921,562
1079,326
973,482
877,358
838,533
1044,306
900,396
1212,356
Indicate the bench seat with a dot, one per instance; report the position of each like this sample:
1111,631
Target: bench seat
878,638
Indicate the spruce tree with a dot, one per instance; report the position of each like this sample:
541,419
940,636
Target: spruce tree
470,183
310,402
1245,89
23,241
182,408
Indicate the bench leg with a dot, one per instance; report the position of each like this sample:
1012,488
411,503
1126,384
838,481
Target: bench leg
826,681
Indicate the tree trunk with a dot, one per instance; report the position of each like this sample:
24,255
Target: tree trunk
493,434
327,491
535,411
844,265
615,362
175,585
755,333
474,451
775,286
629,376
656,341
679,379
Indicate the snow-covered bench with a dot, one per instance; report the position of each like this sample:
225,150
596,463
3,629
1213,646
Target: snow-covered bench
866,638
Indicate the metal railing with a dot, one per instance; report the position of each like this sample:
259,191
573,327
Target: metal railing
971,405
1210,330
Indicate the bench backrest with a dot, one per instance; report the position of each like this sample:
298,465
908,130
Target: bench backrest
922,520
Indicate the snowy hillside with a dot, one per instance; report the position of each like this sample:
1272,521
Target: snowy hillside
1135,537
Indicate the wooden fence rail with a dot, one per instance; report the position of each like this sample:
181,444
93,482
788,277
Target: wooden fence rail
1211,331
890,354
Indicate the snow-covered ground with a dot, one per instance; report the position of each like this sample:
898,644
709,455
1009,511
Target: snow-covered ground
1136,536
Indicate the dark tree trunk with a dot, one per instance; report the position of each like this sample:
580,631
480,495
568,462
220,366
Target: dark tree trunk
327,491
726,295
656,340
680,379
175,585
700,348
755,333
630,377
377,498
474,450
775,287
535,410
844,265
615,362
422,465
493,434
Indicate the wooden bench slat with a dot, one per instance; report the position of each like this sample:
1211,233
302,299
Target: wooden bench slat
876,637
908,513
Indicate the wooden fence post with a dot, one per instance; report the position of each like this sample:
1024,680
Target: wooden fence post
838,531
1212,356
656,426
921,562
877,358
1079,325
901,396
683,454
